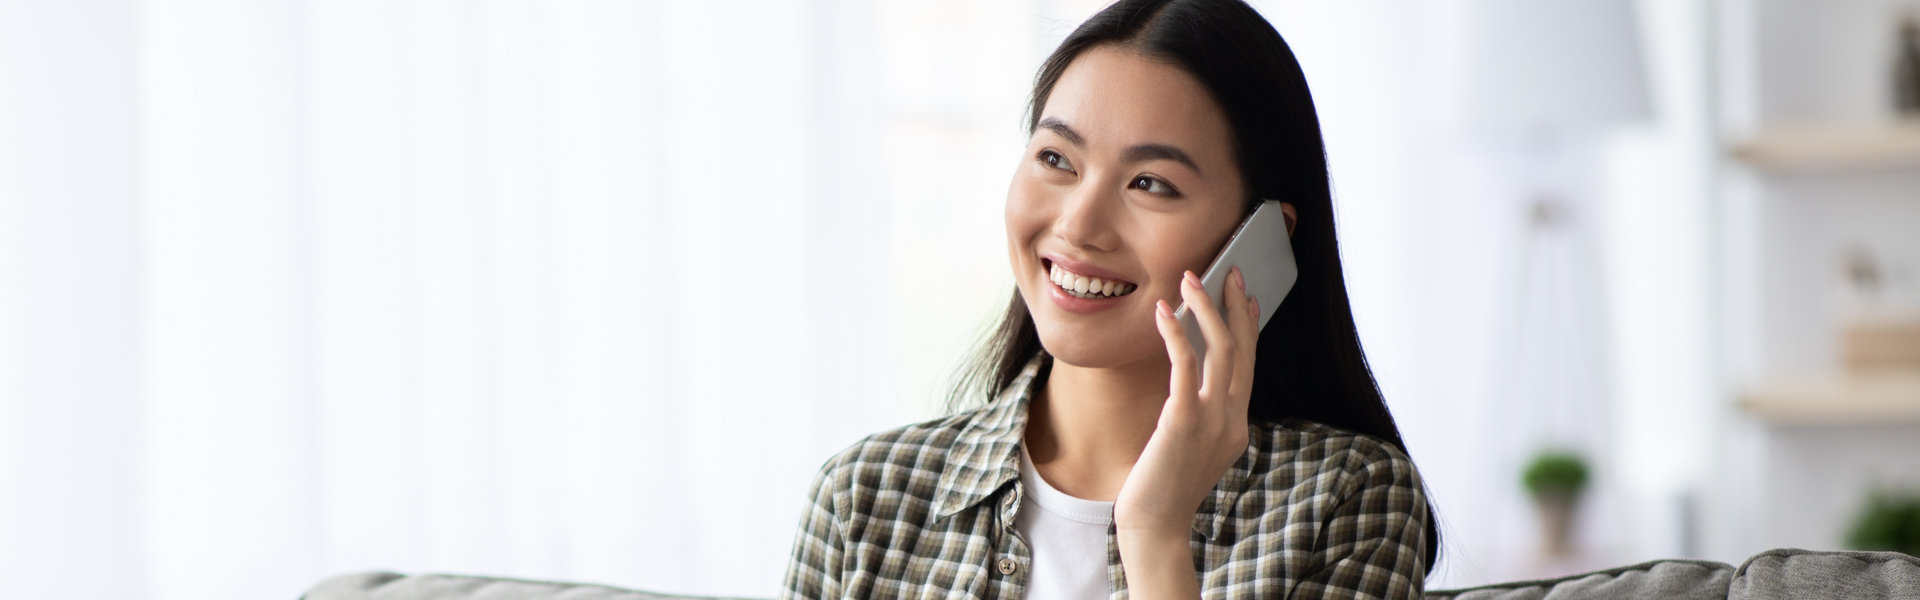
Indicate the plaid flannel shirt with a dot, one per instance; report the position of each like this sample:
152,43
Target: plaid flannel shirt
927,511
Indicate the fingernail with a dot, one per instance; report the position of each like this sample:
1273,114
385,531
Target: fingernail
1238,280
1160,306
1193,279
1253,307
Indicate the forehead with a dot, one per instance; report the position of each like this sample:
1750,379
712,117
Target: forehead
1113,96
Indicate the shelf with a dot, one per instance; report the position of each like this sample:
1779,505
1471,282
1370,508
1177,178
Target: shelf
1890,397
1821,147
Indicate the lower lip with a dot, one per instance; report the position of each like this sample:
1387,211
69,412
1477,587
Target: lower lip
1082,306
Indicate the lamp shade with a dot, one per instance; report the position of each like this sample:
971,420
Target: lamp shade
1560,64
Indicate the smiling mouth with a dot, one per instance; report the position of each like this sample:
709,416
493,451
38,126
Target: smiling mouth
1082,286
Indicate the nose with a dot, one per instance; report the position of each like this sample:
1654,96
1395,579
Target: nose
1085,219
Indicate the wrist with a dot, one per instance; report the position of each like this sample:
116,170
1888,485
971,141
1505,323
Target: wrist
1159,562
1157,536
1152,527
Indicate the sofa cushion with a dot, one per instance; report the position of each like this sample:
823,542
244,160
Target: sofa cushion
1794,573
1686,579
380,585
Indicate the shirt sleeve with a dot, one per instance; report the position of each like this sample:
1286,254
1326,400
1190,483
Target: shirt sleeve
1375,541
814,571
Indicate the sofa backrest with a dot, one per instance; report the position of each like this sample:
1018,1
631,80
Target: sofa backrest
1673,579
1772,575
1791,573
382,585
1784,574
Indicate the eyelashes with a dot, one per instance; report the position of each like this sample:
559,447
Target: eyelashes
1054,160
1150,182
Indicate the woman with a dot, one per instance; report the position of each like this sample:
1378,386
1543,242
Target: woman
1111,458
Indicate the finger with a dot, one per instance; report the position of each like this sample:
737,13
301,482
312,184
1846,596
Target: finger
1217,365
1245,325
1186,369
1245,386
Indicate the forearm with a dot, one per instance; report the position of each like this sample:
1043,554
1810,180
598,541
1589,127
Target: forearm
1158,565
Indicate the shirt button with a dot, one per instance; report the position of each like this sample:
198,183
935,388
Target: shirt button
1008,566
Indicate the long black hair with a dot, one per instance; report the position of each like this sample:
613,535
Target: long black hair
1308,364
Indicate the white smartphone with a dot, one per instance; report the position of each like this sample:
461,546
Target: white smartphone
1265,257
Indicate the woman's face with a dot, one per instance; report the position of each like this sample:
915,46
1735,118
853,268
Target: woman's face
1128,181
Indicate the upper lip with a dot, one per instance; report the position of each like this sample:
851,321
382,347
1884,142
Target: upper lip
1084,268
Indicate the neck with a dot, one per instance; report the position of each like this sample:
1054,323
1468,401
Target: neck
1087,426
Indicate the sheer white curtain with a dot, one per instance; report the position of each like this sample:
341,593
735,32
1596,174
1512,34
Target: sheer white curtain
579,290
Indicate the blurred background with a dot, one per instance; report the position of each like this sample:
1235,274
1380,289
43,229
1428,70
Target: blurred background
588,290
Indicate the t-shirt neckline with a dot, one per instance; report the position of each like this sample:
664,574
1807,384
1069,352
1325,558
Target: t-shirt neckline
1060,503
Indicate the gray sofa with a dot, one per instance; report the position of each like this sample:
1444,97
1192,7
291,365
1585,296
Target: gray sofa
1782,574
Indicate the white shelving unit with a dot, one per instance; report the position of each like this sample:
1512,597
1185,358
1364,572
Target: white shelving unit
1835,149
1815,166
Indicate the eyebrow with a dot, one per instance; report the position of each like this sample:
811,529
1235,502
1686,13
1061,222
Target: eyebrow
1141,152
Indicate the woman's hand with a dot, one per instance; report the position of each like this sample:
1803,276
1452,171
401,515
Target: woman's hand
1203,426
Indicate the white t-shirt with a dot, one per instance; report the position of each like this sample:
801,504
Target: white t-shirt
1068,537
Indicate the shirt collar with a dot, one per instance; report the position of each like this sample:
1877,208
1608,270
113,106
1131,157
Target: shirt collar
986,457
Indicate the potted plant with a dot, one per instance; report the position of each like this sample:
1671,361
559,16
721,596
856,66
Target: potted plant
1889,521
1555,478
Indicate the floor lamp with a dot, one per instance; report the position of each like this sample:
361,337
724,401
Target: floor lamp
1542,81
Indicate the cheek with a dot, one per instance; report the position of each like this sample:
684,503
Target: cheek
1177,253
1198,256
1026,212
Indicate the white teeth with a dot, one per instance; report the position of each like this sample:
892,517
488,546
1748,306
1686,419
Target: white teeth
1087,287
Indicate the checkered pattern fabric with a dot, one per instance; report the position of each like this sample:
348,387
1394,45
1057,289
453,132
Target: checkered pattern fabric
927,510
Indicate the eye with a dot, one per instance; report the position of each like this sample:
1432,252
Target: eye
1053,160
1154,186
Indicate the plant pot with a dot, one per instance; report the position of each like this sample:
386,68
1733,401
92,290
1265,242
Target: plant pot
1556,509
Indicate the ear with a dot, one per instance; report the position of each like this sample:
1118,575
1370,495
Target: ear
1293,218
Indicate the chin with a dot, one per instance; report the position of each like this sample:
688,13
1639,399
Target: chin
1084,342
1105,349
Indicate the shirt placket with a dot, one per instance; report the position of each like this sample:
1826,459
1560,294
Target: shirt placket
1116,575
1012,560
